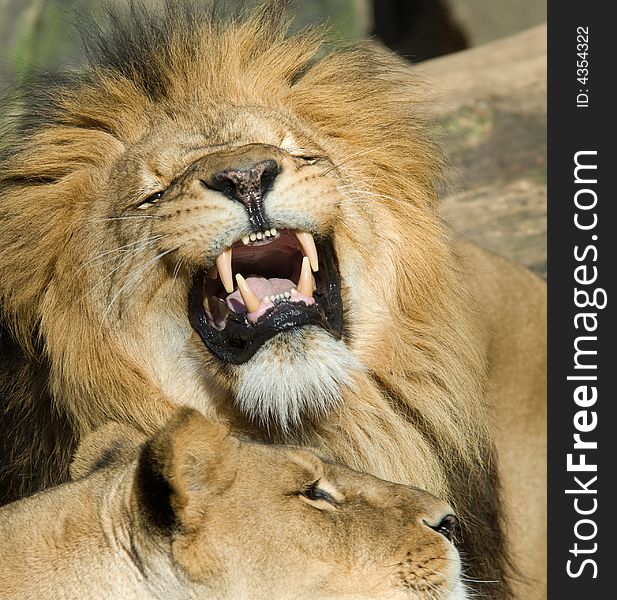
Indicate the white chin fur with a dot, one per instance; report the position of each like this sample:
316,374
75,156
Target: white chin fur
298,373
459,592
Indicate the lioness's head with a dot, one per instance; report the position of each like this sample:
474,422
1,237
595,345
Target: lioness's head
210,516
224,216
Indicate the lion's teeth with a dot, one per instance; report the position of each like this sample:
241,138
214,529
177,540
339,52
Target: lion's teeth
223,265
307,243
305,283
251,301
257,236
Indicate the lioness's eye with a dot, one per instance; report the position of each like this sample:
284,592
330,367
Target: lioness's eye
314,492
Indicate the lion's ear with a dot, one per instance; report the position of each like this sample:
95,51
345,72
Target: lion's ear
185,463
110,444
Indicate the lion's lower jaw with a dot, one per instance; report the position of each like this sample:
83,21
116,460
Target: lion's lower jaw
297,375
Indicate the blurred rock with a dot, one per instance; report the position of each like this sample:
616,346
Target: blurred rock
490,118
483,21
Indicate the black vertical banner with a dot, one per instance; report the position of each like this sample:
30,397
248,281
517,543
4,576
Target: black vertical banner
582,268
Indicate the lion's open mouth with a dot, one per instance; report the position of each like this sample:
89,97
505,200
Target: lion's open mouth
265,284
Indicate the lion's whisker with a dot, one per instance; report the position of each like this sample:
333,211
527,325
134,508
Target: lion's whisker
177,270
133,277
362,152
361,193
131,255
120,249
125,218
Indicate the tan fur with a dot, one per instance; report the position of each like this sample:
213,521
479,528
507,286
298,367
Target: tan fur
84,287
245,527
516,342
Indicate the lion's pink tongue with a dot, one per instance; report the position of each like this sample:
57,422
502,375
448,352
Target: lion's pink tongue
264,288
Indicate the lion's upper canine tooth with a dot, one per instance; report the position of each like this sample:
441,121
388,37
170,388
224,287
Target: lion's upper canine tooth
305,283
251,301
307,244
223,264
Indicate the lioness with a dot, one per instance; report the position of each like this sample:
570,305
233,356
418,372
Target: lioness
221,215
196,513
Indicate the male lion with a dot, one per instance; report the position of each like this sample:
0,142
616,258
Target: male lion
196,513
218,215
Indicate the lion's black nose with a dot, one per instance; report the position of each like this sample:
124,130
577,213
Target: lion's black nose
247,184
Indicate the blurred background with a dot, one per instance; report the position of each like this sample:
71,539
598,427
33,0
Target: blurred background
484,64
37,32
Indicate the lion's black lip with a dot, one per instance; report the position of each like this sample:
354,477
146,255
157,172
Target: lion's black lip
240,340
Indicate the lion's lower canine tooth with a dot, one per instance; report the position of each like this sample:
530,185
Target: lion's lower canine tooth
223,264
305,284
307,243
251,301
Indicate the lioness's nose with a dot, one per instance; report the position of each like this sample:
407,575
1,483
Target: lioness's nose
247,184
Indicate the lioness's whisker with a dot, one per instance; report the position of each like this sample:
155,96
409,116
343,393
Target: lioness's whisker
472,580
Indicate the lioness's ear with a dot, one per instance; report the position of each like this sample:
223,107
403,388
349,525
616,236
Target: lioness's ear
112,443
184,464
